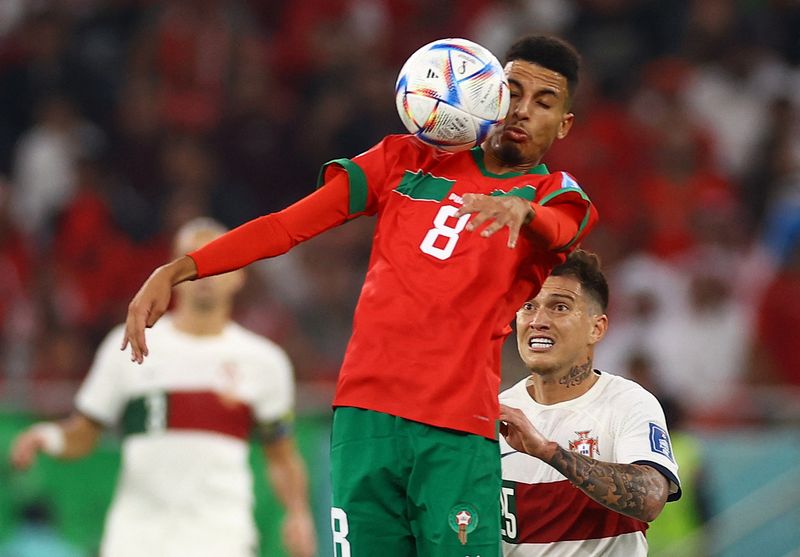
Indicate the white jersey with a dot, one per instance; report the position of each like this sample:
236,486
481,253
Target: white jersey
185,486
546,515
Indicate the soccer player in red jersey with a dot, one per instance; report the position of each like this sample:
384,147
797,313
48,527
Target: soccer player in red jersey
415,461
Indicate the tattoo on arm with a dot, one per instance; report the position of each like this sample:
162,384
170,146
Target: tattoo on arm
576,375
635,490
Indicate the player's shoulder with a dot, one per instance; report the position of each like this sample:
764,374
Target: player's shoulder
253,341
559,181
516,394
624,392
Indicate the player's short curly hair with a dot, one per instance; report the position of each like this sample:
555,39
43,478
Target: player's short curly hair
550,52
585,267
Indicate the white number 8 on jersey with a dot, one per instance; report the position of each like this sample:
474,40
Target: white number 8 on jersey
440,228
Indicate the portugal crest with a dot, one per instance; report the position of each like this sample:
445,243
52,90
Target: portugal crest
463,519
584,444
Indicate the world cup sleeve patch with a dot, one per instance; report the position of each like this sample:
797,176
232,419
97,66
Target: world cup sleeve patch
659,441
567,182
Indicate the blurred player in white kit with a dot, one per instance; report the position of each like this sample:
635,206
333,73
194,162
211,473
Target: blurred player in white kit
187,414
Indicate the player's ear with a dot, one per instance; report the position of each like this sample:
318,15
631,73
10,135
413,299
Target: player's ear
566,124
599,328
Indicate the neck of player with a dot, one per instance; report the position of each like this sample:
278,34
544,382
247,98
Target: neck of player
502,161
201,321
551,387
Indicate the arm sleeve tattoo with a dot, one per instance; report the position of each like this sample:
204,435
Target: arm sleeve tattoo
635,490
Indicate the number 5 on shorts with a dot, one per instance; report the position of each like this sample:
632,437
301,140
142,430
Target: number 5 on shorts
340,529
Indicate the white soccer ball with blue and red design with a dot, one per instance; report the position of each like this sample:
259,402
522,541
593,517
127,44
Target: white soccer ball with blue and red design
452,93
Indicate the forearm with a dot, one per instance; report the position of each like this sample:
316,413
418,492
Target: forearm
289,480
635,490
555,227
78,443
178,270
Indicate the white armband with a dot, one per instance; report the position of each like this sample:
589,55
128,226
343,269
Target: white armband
53,438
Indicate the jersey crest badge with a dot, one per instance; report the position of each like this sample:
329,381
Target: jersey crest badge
584,444
659,441
463,519
230,378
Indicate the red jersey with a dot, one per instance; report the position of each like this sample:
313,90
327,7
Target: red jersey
437,300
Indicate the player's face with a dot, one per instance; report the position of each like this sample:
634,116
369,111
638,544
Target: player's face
211,292
557,329
537,116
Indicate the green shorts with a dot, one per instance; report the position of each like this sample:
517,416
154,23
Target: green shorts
404,489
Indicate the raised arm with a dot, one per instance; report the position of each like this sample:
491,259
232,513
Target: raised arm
72,438
287,475
635,490
260,238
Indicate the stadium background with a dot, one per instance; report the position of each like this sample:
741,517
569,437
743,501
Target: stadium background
121,119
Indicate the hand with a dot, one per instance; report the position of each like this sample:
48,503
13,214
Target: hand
151,302
25,448
521,435
498,211
299,536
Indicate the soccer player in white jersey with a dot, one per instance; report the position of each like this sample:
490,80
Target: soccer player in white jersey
185,487
586,459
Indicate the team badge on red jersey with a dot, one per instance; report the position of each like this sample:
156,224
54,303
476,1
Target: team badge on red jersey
584,444
463,519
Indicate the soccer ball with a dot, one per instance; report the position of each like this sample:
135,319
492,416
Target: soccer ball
451,93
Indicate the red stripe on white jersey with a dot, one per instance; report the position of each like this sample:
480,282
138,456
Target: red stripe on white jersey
209,411
559,511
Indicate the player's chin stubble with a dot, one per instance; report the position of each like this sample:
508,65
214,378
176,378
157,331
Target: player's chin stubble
508,153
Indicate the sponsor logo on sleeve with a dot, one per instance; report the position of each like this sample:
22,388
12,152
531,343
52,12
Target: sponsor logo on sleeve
659,441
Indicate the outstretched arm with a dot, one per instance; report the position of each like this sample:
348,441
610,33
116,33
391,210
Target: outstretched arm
636,490
72,438
287,475
263,237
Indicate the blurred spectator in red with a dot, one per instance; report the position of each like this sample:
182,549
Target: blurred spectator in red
680,182
190,48
16,273
608,151
776,359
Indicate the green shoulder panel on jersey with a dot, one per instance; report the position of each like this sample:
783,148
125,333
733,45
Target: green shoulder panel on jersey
134,418
423,186
525,192
569,185
358,183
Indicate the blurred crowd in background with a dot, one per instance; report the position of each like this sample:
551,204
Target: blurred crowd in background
122,119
